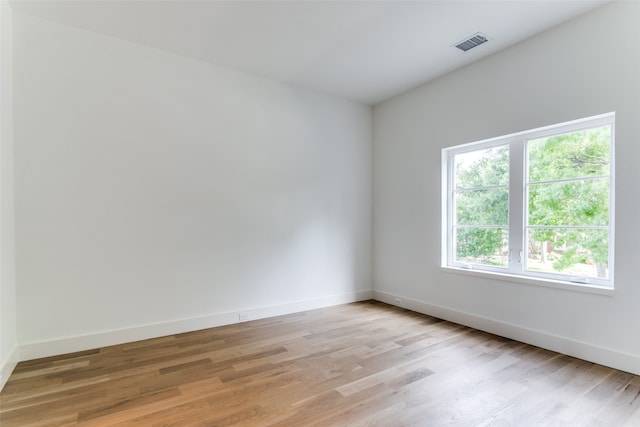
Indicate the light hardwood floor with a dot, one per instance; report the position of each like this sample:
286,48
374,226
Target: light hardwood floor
352,365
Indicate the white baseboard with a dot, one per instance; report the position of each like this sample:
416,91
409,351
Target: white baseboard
8,366
36,350
592,353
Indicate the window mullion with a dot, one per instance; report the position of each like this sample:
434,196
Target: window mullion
517,251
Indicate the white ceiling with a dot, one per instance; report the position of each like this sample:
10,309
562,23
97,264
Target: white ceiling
366,51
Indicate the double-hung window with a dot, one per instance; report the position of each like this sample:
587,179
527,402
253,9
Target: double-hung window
536,204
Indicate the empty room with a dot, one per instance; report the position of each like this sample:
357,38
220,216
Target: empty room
319,213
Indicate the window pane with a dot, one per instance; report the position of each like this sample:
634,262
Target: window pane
572,155
575,252
574,203
487,246
482,207
482,168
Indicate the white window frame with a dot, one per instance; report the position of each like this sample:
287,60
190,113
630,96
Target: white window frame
517,219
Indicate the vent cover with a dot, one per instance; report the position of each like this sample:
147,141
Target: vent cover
475,40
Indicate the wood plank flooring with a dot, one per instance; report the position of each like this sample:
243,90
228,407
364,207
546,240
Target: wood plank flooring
362,364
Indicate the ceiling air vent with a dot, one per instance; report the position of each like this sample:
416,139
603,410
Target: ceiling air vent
475,40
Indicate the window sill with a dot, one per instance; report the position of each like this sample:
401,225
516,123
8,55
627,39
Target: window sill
534,281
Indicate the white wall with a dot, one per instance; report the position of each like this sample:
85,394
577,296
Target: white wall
587,66
8,336
156,194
